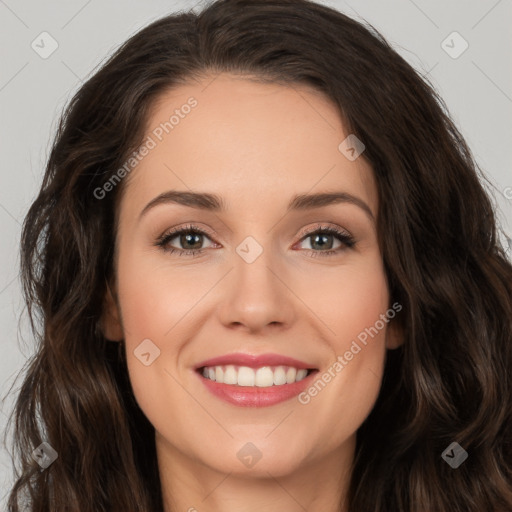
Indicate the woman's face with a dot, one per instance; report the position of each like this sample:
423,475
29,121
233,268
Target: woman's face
261,282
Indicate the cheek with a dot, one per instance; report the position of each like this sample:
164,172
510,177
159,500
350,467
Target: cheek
350,303
155,298
347,299
150,308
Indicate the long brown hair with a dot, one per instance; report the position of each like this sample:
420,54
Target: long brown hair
451,381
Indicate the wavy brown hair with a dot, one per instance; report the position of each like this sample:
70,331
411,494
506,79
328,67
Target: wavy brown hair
451,381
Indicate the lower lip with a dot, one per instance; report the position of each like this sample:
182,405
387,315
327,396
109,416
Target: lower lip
249,396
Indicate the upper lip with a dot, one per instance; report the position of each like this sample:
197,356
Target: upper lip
254,361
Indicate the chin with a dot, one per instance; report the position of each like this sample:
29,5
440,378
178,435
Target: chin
270,465
257,457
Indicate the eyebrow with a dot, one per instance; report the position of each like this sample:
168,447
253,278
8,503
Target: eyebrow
214,203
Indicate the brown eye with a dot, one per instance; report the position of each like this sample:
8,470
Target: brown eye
323,241
188,241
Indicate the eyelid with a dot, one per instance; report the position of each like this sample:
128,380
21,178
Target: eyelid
324,227
187,227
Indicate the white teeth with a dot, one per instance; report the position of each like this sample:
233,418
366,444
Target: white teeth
279,376
246,376
290,375
301,374
230,376
263,377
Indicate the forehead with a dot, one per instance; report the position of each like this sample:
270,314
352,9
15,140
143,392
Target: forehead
237,137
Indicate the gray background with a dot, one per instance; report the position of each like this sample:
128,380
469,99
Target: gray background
477,87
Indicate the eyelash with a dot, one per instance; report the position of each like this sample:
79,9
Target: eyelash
164,239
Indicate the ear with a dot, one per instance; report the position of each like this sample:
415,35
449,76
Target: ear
395,334
110,322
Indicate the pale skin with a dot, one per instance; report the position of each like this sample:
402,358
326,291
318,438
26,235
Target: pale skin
255,146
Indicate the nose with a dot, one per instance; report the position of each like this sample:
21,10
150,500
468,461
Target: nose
256,296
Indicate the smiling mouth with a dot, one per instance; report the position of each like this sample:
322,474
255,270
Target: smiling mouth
262,377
